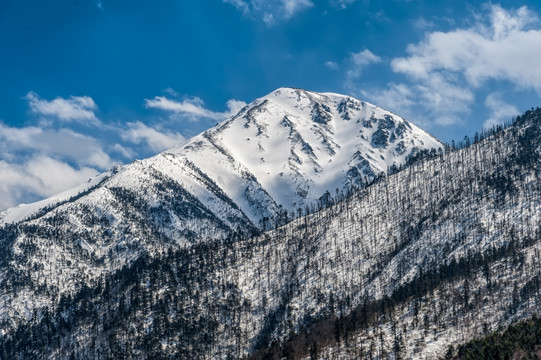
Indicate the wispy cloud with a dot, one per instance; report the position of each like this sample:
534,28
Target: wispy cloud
291,7
359,61
423,24
156,140
75,108
242,5
271,11
193,108
342,3
269,19
332,65
500,111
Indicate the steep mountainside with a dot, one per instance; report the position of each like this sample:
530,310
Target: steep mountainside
281,154
290,147
444,250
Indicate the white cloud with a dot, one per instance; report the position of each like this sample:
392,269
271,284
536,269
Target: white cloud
444,100
193,109
234,106
359,61
156,140
76,108
500,111
125,152
505,47
14,184
447,70
395,96
48,157
331,65
39,162
365,57
63,143
82,149
55,176
434,101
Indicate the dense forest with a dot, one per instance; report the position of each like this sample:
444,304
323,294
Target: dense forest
518,341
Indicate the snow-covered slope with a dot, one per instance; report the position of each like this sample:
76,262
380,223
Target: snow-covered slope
291,146
281,153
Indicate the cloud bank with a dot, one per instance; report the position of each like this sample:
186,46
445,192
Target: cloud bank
503,49
447,71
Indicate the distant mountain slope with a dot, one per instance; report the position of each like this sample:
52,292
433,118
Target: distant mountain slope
281,153
442,251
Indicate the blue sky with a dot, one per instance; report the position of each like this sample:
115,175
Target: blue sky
88,84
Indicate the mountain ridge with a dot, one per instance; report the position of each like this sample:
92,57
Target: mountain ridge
444,250
201,190
264,184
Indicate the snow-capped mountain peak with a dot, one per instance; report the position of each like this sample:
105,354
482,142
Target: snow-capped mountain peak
283,151
300,144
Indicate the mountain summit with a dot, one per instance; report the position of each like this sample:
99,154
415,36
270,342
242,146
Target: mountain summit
288,148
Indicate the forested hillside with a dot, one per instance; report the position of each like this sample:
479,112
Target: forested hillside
283,155
443,251
518,341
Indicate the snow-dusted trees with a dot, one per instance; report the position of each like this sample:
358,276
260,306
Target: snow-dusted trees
440,251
